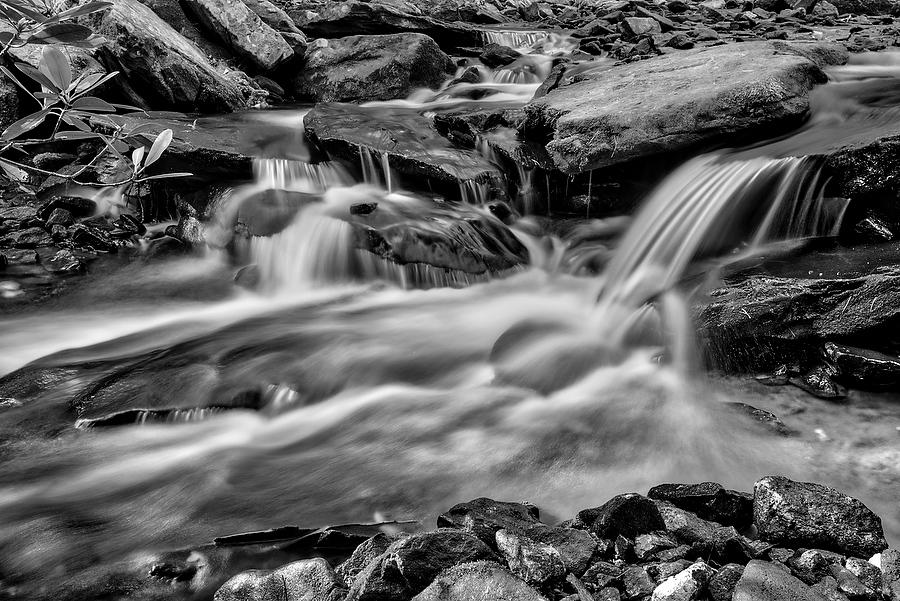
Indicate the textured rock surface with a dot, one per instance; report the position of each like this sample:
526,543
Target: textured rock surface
762,581
709,500
673,103
483,517
372,67
807,514
479,581
306,580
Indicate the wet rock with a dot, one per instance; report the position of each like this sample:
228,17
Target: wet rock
276,18
648,545
820,382
864,368
764,320
721,586
64,262
478,581
763,581
483,517
410,141
60,217
767,418
628,515
309,579
411,564
535,563
495,55
14,256
32,237
708,500
874,228
372,67
243,31
576,547
807,514
686,585
362,556
363,208
171,72
686,526
672,103
189,230
636,583
76,206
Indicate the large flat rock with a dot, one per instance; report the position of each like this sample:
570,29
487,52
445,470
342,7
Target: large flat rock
677,102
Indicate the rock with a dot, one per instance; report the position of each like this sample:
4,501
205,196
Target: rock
628,515
64,262
867,573
807,514
823,8
189,230
685,525
708,500
495,55
483,517
828,588
768,419
603,575
372,67
763,581
820,382
355,17
722,585
9,102
890,573
411,564
243,31
874,228
362,556
635,27
673,103
276,18
684,586
636,583
74,205
863,367
13,256
665,570
171,73
32,237
814,564
60,217
535,563
576,547
763,320
851,586
478,581
413,146
731,547
306,580
648,545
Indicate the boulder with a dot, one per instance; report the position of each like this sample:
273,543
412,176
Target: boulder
603,574
647,546
243,31
409,140
276,18
674,103
710,501
483,517
721,586
636,583
807,514
576,547
478,581
867,573
686,526
411,564
763,581
863,367
167,70
627,515
371,67
686,585
362,556
535,563
305,580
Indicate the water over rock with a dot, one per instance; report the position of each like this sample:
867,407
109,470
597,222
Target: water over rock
371,67
675,102
410,142
807,514
164,68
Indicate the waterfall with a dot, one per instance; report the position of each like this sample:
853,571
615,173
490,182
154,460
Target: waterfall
709,204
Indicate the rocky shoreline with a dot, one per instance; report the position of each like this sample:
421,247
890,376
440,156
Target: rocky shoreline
784,541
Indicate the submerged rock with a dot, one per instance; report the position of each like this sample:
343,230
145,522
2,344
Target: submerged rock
372,67
807,514
673,103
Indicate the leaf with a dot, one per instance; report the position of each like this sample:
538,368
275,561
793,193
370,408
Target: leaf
93,104
38,76
25,11
13,172
159,146
55,65
6,37
80,11
120,146
77,135
165,176
137,156
25,124
94,80
61,33
76,122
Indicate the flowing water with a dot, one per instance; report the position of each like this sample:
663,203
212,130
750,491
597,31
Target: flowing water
377,389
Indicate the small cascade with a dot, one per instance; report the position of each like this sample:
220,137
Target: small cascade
370,172
476,193
708,206
299,176
534,41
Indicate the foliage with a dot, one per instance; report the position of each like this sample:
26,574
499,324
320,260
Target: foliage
65,102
